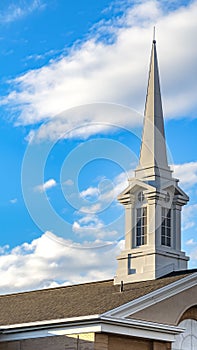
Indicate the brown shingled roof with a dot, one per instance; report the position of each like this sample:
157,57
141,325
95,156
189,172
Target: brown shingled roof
77,300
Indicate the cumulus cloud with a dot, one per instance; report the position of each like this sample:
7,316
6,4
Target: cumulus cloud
4,249
46,185
87,223
120,182
106,192
90,192
54,261
91,219
189,216
115,72
193,256
187,173
85,120
90,225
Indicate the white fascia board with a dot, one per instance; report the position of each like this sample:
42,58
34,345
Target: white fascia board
16,327
49,332
132,328
138,332
152,298
148,325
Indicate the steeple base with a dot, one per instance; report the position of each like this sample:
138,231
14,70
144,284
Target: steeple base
148,264
153,173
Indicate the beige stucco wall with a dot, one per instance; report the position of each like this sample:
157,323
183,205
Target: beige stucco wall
169,310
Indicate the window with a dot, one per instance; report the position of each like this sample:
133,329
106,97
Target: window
166,227
187,339
167,197
141,227
140,196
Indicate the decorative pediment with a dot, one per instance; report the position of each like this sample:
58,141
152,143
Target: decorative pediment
177,192
163,299
135,186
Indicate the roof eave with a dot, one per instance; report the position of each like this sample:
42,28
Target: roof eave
90,324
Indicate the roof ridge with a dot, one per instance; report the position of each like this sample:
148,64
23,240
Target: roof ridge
45,290
54,288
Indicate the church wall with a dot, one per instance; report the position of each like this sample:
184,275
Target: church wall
157,345
191,313
91,341
63,342
116,342
170,310
124,343
101,341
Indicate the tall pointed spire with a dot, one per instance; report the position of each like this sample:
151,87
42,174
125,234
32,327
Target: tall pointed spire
152,201
153,155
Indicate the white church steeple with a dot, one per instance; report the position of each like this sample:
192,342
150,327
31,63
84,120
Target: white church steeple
153,201
153,155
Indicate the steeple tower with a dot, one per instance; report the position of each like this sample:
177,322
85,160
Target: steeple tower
153,155
153,200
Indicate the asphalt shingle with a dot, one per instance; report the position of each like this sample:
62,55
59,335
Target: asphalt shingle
76,300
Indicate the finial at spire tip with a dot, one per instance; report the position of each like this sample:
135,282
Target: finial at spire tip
154,41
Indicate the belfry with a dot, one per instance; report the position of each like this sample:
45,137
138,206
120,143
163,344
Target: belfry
153,200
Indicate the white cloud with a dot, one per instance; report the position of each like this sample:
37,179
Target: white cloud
191,242
189,216
120,182
69,182
37,57
187,173
92,208
46,185
103,195
4,249
107,192
14,12
50,258
90,222
90,192
98,71
193,256
91,226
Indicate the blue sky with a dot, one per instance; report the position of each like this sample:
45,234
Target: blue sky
73,84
